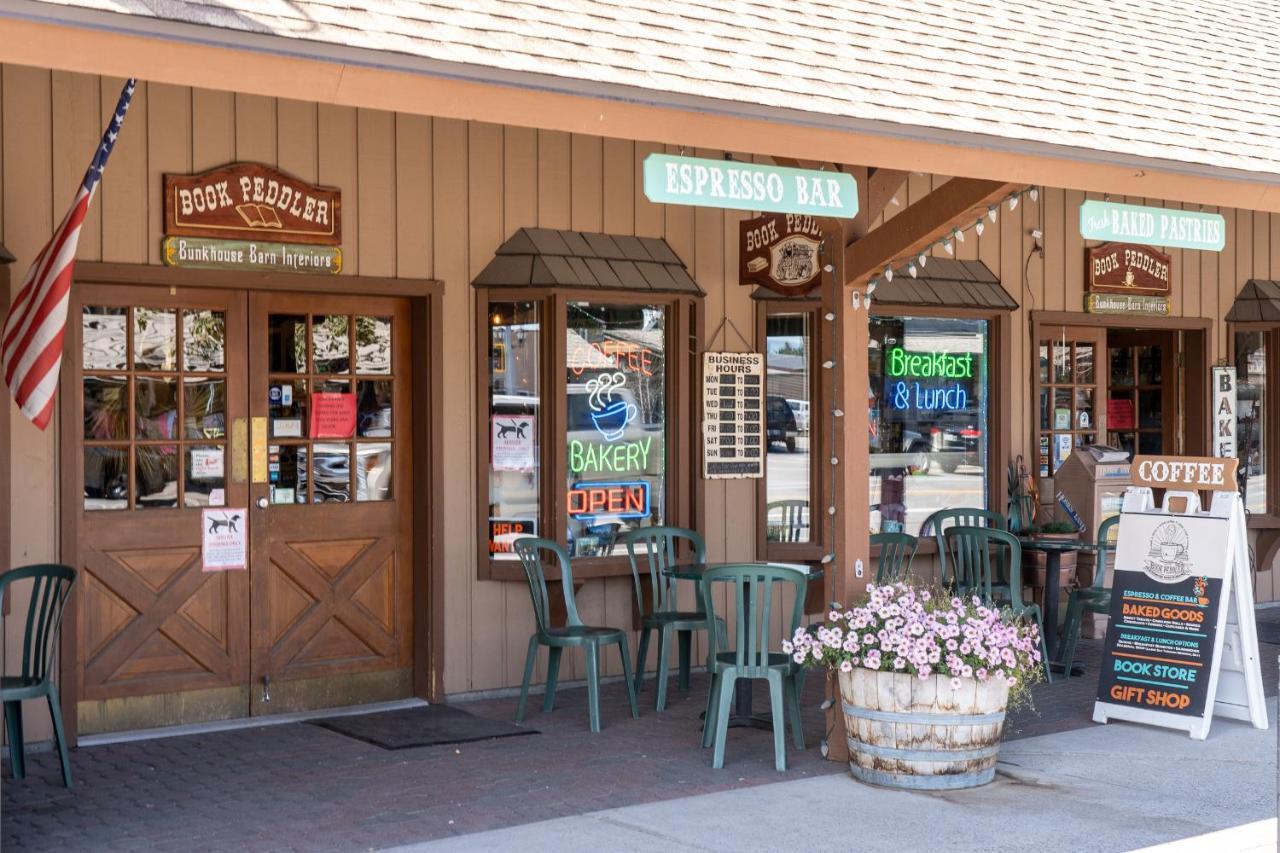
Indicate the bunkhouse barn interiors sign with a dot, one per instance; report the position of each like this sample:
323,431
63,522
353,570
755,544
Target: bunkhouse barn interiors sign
253,217
1154,226
730,184
779,251
1125,278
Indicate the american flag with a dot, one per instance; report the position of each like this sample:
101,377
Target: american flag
38,317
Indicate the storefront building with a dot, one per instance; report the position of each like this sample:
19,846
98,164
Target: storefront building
492,332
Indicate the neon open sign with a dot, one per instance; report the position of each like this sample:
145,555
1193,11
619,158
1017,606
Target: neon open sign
616,500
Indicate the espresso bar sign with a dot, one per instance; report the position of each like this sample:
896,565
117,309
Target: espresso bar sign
250,201
779,251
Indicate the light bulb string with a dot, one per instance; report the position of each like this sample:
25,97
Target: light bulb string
914,265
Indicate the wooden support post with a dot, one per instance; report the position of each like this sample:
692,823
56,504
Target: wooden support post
844,580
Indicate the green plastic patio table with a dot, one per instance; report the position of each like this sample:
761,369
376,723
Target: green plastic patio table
742,714
1053,550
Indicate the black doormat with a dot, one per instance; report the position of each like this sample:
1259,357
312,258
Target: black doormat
425,725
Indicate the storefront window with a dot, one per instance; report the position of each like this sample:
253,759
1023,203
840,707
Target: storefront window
789,463
1251,395
615,418
514,393
928,401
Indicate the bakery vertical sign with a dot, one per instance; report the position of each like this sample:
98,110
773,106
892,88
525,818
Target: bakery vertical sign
248,216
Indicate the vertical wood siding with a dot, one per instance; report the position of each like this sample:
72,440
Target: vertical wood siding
431,197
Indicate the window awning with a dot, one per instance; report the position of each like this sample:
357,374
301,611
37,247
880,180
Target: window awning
545,257
943,282
1257,302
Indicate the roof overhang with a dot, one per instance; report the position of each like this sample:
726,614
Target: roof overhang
120,45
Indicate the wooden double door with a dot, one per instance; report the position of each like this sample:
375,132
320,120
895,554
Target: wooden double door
285,414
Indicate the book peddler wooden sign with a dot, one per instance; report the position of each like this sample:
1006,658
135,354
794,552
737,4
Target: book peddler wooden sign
1181,644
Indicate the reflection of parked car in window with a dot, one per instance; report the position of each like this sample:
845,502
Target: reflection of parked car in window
780,421
800,408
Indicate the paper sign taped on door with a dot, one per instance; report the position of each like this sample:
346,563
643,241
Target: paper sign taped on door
224,539
333,415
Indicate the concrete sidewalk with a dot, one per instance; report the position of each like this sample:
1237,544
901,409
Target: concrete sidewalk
1107,788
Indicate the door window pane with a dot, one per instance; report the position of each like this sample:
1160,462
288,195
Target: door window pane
287,407
928,414
373,471
331,343
155,339
1251,396
616,421
206,481
204,408
373,344
106,478
156,402
204,341
106,407
104,338
287,473
515,341
331,471
788,462
373,408
287,343
156,475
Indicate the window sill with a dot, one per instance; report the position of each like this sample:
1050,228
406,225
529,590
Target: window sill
1263,522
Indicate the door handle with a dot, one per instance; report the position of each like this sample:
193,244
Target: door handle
262,503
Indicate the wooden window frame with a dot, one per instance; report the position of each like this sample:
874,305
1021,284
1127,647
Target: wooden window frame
819,439
1270,518
999,395
683,491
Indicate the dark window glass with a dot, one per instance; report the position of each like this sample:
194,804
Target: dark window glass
928,416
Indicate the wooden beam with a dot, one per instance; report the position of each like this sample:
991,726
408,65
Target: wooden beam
882,186
955,204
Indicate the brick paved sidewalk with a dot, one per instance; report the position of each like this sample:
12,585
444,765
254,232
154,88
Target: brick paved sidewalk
300,787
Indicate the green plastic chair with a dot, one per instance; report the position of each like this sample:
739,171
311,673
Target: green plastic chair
658,547
756,653
51,586
937,522
574,633
974,554
897,551
1094,599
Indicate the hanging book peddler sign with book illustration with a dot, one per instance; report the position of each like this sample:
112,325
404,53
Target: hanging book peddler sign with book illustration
249,216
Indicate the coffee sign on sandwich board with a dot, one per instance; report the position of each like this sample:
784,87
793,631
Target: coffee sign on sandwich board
780,252
1181,643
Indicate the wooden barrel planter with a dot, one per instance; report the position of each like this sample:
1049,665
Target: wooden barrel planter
921,733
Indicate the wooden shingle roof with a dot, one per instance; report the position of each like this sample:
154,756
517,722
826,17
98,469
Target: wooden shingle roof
943,282
1257,302
545,257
